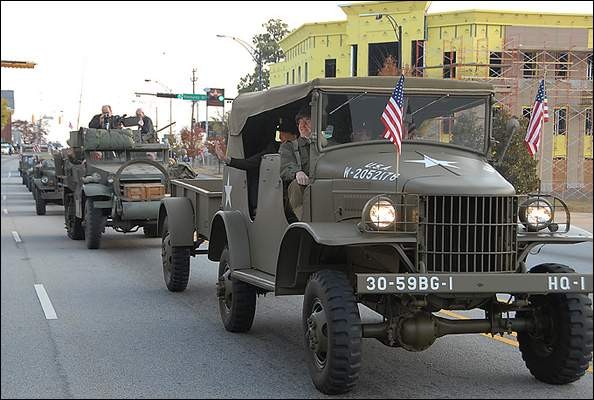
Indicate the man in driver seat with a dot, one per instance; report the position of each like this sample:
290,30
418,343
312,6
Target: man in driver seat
295,162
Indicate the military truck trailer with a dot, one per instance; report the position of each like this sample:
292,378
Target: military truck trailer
443,230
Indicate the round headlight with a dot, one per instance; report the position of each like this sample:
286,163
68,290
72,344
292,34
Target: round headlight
379,213
110,180
536,214
45,180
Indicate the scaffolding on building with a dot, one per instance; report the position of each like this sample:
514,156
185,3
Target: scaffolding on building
515,73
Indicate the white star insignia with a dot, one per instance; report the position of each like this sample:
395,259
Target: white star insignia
228,189
431,162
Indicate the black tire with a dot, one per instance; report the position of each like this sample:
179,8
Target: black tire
332,332
94,225
74,228
39,203
176,263
237,299
150,231
560,352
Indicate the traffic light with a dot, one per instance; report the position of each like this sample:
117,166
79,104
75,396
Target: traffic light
216,97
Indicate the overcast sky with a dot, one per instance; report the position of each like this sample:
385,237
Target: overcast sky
111,48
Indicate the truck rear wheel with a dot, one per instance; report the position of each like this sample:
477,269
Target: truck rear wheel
559,350
332,332
150,231
94,225
74,228
39,202
237,299
176,263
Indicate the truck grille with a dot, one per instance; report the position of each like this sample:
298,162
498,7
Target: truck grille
468,233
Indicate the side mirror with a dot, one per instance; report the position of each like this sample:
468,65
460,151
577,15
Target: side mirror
511,127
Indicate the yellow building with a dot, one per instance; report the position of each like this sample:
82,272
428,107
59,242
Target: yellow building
513,50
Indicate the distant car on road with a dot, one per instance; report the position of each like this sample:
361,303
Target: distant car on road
7,148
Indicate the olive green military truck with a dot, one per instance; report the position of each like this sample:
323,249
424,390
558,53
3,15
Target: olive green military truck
443,230
45,189
108,180
30,156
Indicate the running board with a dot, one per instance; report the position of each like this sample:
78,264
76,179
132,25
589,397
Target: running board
254,277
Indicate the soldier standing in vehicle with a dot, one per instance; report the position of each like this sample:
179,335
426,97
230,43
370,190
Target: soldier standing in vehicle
103,120
145,124
295,162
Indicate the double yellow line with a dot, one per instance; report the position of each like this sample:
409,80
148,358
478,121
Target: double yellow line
502,339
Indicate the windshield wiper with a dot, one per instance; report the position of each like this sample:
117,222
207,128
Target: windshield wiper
346,102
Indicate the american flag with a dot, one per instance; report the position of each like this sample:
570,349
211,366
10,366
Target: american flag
392,115
538,116
36,148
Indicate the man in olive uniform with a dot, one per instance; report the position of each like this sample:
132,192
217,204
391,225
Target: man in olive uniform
295,162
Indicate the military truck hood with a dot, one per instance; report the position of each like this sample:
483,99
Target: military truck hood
424,169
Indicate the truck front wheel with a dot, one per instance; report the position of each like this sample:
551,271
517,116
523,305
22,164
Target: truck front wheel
237,299
39,202
332,332
74,228
176,262
559,349
94,225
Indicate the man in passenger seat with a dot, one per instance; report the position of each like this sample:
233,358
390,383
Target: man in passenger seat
252,165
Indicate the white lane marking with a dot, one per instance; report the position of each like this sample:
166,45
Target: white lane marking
46,304
3,197
16,237
9,174
5,211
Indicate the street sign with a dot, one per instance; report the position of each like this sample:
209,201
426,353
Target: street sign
192,96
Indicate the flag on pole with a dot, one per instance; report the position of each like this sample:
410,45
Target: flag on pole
538,116
392,115
36,148
70,125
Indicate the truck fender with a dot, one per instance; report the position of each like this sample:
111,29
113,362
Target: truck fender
296,245
228,228
180,220
96,190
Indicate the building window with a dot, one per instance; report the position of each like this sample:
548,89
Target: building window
330,68
287,78
354,59
561,66
495,62
588,124
589,70
526,111
417,57
305,73
382,59
293,75
560,127
529,66
449,59
299,74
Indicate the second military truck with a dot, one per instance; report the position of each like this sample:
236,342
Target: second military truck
108,180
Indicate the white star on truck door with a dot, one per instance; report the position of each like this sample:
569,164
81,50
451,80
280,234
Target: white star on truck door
228,189
431,162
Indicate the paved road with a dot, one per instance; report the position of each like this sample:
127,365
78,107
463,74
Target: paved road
120,333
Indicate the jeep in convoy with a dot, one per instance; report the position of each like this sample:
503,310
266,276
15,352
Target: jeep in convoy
44,186
108,180
443,230
30,156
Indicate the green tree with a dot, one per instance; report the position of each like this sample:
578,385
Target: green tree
5,112
517,166
267,45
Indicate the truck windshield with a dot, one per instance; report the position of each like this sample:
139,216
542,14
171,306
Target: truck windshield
447,119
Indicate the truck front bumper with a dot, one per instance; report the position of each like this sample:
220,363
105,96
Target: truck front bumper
512,283
50,194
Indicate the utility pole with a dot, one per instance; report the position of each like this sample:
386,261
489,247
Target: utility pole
194,79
